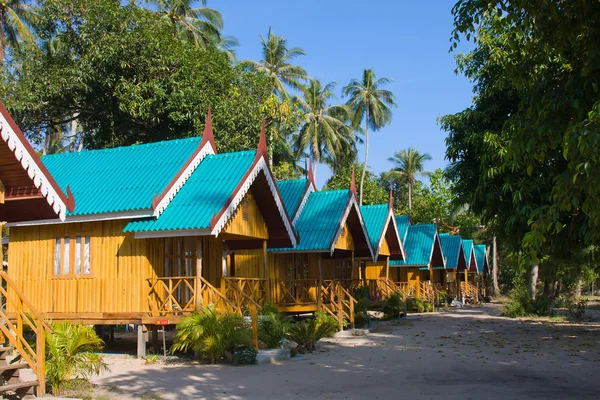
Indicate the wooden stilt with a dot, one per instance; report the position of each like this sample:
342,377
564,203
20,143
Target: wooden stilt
198,300
319,283
266,272
141,342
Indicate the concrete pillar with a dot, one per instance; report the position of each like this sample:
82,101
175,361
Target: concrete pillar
141,342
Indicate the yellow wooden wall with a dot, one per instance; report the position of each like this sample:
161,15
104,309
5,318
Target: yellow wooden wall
249,263
119,266
247,220
385,248
345,241
375,270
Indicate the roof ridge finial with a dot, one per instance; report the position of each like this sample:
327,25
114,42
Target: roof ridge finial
262,141
311,172
391,199
208,135
353,182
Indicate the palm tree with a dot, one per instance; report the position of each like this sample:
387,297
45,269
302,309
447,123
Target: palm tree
372,104
202,25
324,131
225,44
276,64
15,15
409,163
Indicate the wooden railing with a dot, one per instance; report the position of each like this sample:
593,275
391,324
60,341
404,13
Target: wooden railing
469,292
184,294
428,292
337,301
25,316
297,291
406,288
239,289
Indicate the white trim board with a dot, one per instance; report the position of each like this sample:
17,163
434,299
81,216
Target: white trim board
89,218
39,179
311,189
173,233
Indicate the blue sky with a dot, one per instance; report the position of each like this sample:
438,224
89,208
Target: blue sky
404,40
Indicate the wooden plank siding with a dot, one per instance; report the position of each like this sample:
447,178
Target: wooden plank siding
119,266
247,220
345,241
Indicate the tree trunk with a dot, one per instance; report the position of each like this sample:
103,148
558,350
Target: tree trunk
495,267
535,269
2,35
409,197
578,289
362,177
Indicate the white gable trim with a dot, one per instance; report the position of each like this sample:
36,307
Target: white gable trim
164,203
383,231
261,165
311,189
32,168
352,203
171,233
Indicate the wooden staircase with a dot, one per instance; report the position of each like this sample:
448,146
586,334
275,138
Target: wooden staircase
469,292
337,301
22,317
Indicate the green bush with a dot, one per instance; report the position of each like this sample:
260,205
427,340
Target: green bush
418,305
212,334
520,304
72,352
393,306
361,292
272,329
361,317
577,309
324,318
307,333
245,356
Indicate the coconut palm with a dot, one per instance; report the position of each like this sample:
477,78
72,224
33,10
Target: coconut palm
372,104
225,44
324,131
15,15
409,163
199,24
276,63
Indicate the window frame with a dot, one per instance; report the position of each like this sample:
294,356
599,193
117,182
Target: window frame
61,251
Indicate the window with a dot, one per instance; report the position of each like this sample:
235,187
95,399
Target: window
297,266
72,256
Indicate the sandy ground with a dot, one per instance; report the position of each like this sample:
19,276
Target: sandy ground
457,354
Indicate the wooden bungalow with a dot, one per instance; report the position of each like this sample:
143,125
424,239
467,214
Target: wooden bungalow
149,238
385,240
483,268
333,243
28,192
468,286
455,262
424,262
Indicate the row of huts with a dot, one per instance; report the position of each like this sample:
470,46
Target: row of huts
147,233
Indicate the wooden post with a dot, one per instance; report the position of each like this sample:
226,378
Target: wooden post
340,307
155,338
2,190
319,283
266,272
141,341
198,295
353,273
431,273
40,348
387,268
254,316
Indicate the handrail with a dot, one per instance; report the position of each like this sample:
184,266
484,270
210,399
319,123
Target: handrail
35,359
230,284
21,296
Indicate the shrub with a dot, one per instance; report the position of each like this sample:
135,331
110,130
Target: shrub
272,329
327,319
520,304
418,305
71,352
307,333
245,356
577,309
151,359
361,292
393,306
361,317
212,334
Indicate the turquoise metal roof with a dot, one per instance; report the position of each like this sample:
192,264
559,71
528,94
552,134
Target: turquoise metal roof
480,256
375,218
203,195
418,245
468,248
291,192
402,222
451,248
122,178
320,219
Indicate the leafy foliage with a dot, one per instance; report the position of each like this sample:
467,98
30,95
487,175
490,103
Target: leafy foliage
212,334
409,163
272,329
72,352
393,306
373,191
245,356
307,333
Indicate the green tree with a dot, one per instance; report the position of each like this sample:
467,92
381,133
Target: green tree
410,163
324,131
374,191
202,25
126,79
372,104
15,16
276,64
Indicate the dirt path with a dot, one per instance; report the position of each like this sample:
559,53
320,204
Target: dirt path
460,354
